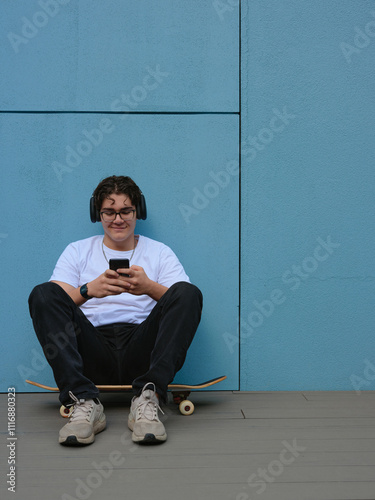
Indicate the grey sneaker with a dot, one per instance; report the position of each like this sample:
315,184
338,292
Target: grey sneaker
143,417
86,420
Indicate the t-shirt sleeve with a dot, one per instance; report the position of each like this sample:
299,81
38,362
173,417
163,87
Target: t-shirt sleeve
66,269
171,270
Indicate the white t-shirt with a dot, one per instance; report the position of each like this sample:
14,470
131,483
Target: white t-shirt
83,261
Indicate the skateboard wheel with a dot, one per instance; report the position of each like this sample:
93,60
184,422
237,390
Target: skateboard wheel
179,396
65,412
186,407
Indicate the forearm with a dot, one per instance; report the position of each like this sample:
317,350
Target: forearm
74,293
76,296
153,290
156,290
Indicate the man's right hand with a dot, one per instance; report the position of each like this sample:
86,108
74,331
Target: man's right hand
108,283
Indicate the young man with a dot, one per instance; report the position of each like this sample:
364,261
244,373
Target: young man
97,326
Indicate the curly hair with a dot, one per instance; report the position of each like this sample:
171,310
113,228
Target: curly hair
116,185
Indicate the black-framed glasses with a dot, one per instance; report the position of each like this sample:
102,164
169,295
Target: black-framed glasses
125,214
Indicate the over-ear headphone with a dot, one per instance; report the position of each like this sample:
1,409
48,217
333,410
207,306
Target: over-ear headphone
141,210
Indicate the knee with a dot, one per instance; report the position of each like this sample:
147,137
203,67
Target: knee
41,294
188,292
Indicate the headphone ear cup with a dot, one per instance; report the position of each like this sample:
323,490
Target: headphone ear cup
142,209
94,214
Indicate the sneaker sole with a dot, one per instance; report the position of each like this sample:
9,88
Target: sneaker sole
73,440
148,438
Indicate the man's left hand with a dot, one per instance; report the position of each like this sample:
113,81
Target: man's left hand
138,283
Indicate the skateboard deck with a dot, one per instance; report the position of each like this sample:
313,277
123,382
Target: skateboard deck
180,393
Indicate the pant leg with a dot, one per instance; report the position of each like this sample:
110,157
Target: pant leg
73,347
158,347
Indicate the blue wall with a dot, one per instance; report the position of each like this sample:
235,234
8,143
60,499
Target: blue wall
306,179
173,69
156,90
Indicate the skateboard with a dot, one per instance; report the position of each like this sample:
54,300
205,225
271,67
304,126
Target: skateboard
180,393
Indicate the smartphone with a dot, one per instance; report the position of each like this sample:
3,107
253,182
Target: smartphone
115,264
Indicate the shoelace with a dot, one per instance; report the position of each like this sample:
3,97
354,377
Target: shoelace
148,409
82,410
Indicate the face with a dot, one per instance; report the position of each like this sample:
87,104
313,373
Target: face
118,234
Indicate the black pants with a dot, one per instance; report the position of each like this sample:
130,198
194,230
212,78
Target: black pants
82,355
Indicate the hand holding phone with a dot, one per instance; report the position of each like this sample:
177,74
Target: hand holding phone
115,264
